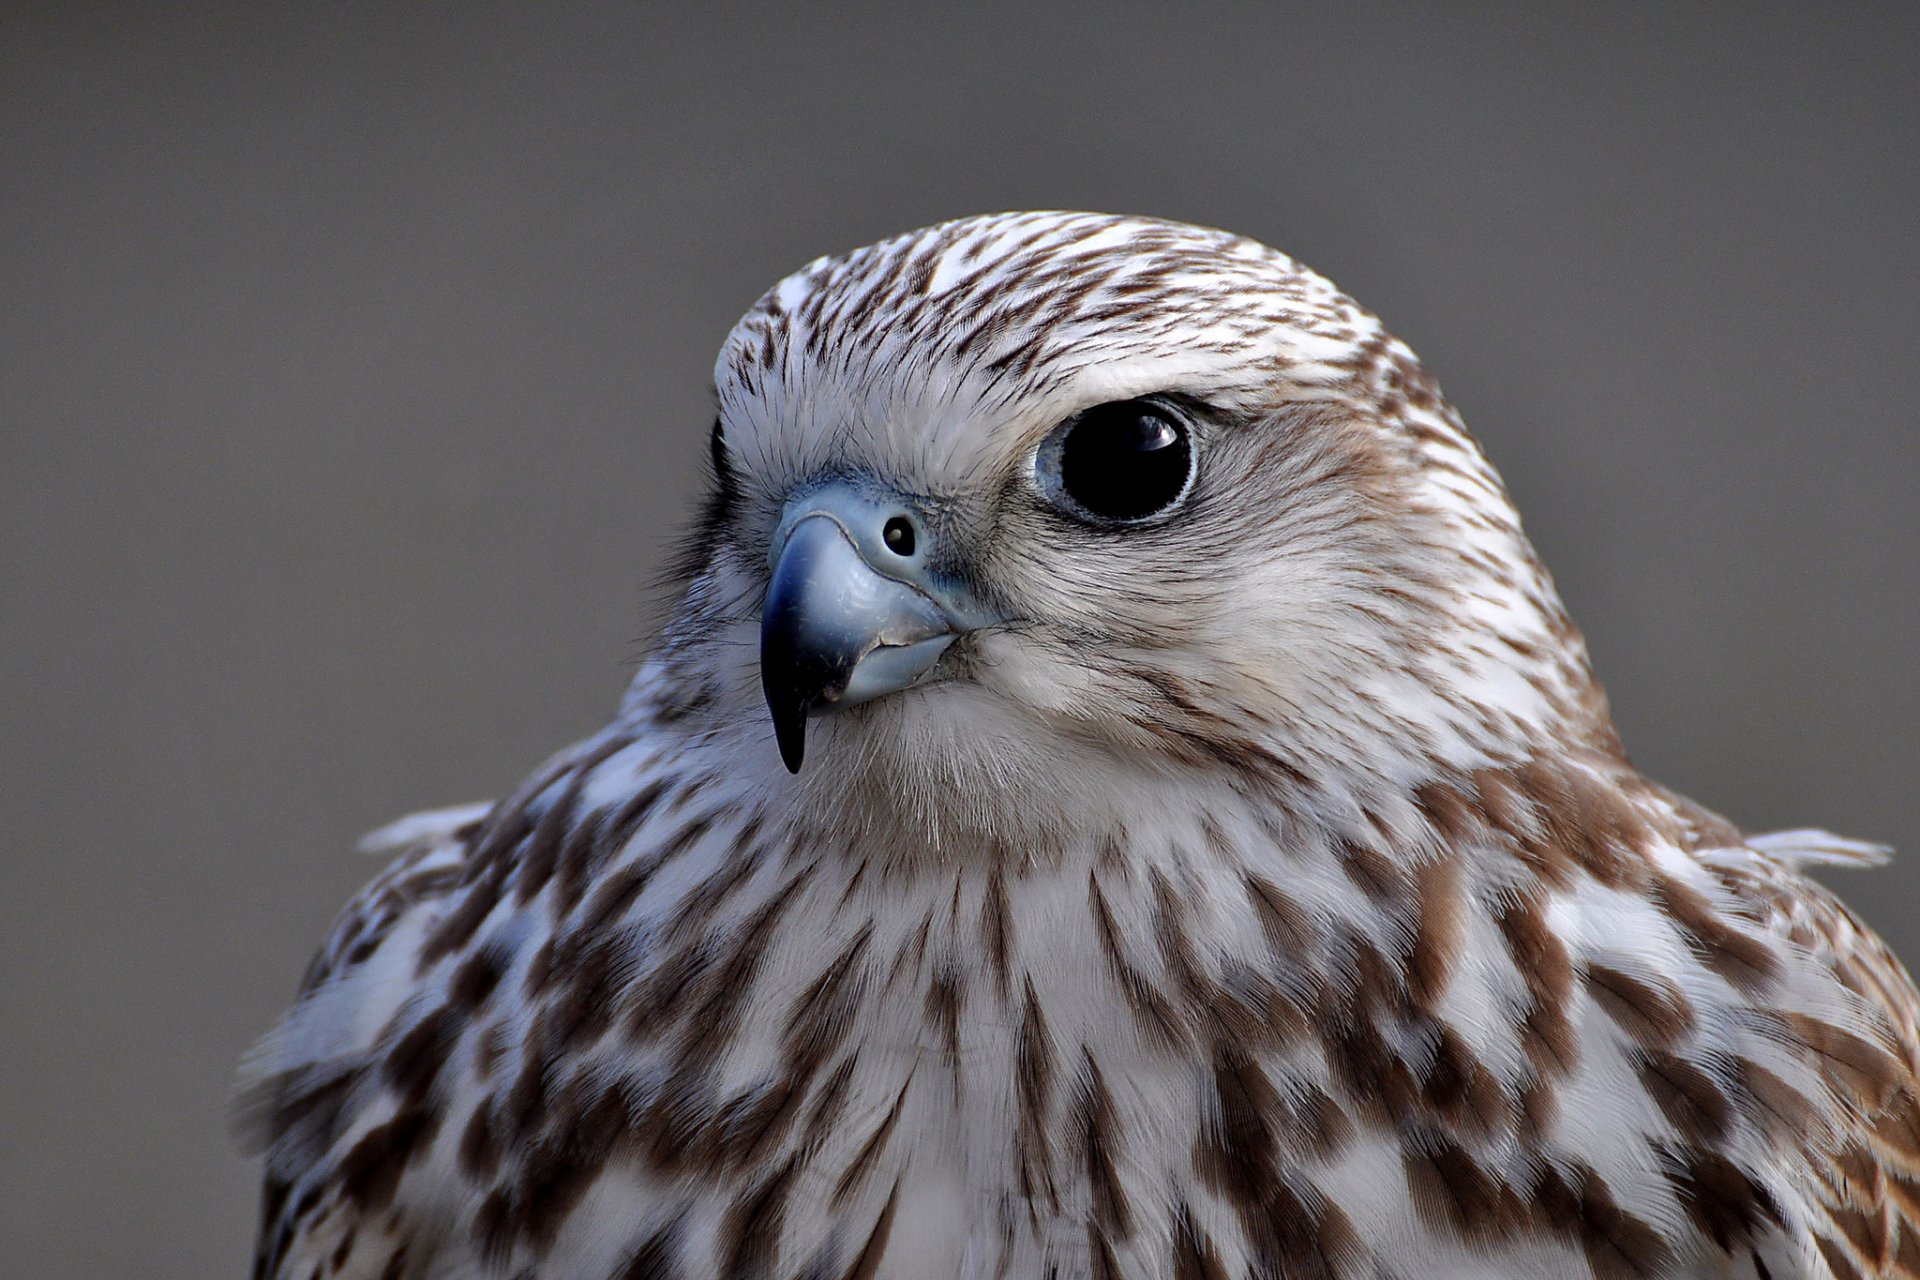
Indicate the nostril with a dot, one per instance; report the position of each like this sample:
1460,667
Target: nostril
898,535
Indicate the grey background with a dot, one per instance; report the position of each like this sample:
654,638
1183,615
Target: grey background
353,375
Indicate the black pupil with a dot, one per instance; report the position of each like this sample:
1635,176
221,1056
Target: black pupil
1125,461
899,536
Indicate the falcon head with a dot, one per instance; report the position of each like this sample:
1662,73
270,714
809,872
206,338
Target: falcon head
1018,500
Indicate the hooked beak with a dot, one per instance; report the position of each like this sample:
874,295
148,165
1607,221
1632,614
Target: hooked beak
853,610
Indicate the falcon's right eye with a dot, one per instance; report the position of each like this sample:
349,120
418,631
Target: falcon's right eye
1118,463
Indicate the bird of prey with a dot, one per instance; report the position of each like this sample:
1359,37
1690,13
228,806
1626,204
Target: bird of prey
1118,798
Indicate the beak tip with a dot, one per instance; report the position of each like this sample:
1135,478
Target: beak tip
790,733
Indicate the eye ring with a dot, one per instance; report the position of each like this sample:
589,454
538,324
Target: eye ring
1119,464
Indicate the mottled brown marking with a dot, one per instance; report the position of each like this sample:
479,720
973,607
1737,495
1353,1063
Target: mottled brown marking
673,1129
1866,1070
659,1001
867,1159
720,994
1544,964
1101,1258
697,908
553,1177
531,1087
298,1110
619,891
829,1102
1238,1150
473,982
1298,1232
996,925
1456,1195
1652,1010
1577,1202
1867,1233
539,967
1159,1022
1456,824
541,852
1896,1138
866,1263
1191,731
1836,1258
750,1232
946,998
370,1173
1379,875
1460,1089
1692,1101
582,982
907,964
1552,1046
1782,1111
1440,914
480,1146
1250,1006
1194,1257
1510,810
1178,952
854,881
821,1017
655,1258
1033,1080
475,905
1743,960
1287,928
1726,1203
590,845
1586,819
1380,981
1375,984
486,869
1376,1079
1097,1126
542,846
750,1125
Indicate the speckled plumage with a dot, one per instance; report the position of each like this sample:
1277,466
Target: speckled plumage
1267,896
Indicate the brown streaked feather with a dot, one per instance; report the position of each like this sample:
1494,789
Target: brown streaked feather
1870,1179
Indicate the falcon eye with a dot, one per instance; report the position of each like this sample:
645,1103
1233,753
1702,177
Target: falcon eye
1118,463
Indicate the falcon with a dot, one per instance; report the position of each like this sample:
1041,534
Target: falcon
1118,798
